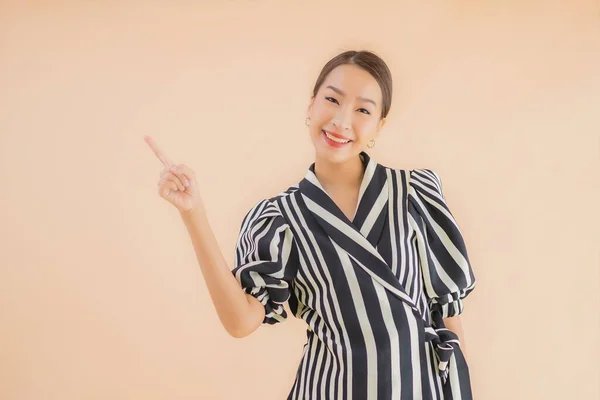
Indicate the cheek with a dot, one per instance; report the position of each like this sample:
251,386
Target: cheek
322,113
364,130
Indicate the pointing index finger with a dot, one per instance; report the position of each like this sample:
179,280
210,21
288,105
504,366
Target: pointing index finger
158,152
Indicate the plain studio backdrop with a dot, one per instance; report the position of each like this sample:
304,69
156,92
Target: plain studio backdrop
101,296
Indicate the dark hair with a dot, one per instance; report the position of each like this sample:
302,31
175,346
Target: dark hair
371,63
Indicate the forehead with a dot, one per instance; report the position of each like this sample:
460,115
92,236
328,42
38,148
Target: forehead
354,81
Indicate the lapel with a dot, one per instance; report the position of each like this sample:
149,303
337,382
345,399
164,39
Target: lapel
359,237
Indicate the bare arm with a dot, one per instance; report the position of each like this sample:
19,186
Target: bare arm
455,325
240,313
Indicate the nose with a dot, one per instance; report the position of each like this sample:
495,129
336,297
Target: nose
342,119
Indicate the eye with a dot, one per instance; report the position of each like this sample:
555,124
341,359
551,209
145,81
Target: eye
333,100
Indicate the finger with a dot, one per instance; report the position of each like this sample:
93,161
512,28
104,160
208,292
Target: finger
168,189
158,152
169,185
184,169
182,178
184,173
165,192
170,177
165,173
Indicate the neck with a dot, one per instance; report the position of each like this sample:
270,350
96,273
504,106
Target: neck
345,174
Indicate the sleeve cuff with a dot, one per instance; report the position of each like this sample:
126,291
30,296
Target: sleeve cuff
274,312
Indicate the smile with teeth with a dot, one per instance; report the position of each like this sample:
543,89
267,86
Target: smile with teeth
336,139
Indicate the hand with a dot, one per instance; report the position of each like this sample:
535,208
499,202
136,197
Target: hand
177,183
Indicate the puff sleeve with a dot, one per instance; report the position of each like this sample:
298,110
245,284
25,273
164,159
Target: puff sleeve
266,259
447,273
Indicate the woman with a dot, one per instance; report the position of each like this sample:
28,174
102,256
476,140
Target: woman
370,257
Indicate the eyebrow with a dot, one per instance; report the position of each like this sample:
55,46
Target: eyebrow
338,91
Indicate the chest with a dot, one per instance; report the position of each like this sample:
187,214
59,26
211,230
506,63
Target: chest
333,262
346,200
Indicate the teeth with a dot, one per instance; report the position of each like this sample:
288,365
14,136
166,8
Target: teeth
335,139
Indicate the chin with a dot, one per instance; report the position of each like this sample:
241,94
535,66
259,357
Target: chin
334,155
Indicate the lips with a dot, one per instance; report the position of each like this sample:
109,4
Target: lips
334,141
337,135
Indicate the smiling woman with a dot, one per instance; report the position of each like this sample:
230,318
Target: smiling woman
369,256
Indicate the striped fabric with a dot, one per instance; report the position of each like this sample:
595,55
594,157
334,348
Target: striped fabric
373,291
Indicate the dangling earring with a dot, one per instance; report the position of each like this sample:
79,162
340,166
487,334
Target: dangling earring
371,143
306,121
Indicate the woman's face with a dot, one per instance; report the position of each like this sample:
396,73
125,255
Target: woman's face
348,107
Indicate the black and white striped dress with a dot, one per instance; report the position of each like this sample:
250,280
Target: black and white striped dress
373,291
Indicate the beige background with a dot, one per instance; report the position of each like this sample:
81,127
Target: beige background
100,293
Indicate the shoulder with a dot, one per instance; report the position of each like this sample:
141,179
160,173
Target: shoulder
419,179
424,184
281,196
268,208
425,178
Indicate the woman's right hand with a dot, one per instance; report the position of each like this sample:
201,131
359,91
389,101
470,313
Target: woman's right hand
177,182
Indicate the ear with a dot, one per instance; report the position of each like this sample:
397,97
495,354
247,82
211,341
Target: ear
310,104
380,126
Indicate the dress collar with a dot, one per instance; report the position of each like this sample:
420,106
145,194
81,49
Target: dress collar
371,194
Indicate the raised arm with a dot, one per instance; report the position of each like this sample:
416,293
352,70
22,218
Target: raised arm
239,313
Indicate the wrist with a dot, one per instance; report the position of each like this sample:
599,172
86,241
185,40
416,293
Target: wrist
196,211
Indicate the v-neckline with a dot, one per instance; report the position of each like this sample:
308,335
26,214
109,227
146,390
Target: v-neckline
360,237
369,167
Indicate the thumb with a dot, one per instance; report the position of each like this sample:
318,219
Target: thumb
187,172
